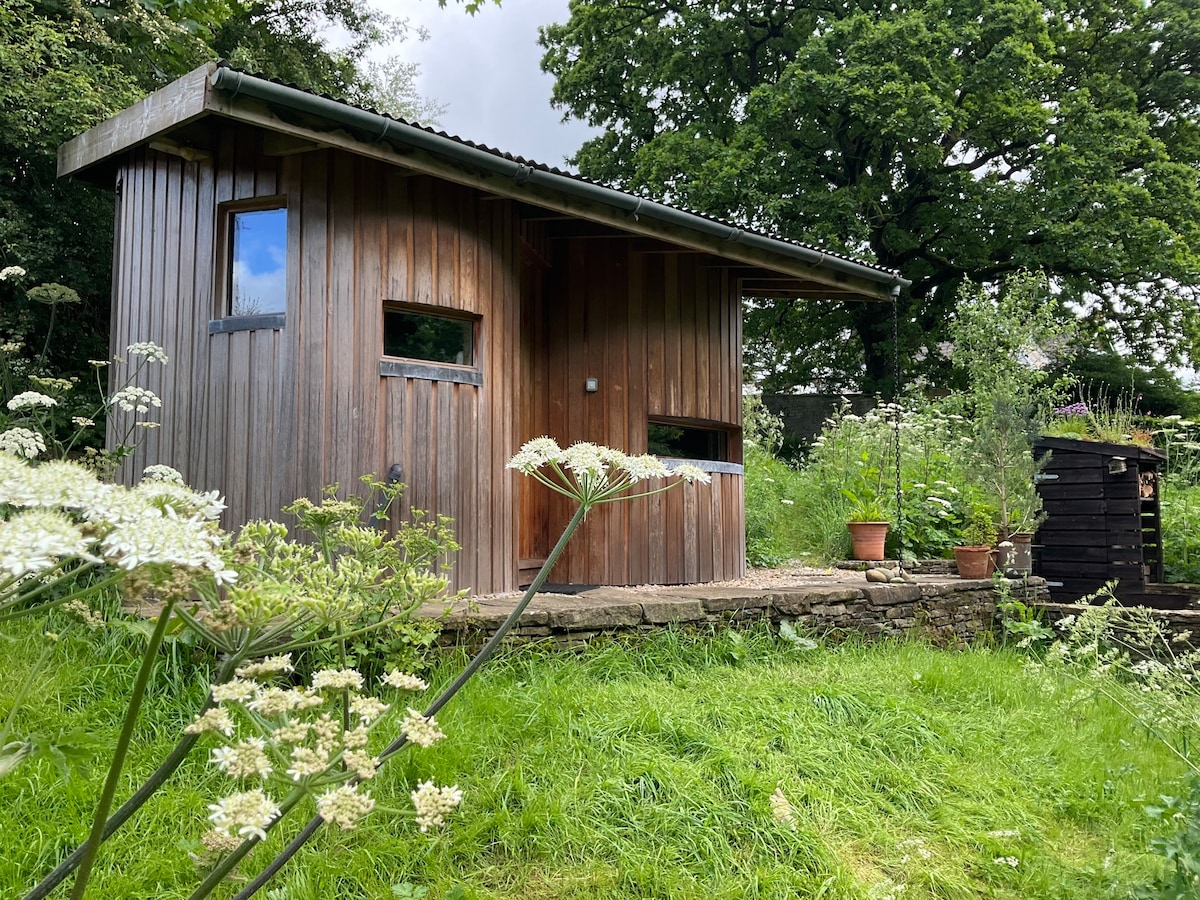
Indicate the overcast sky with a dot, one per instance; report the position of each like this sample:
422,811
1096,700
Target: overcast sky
484,68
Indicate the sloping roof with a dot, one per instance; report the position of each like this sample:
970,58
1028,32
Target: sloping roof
168,120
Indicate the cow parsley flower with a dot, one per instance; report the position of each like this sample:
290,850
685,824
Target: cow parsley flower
211,721
31,398
35,540
245,759
162,473
54,484
337,679
265,668
535,454
11,272
344,805
234,689
362,764
22,442
135,399
368,709
434,803
306,762
640,468
155,537
404,681
149,350
248,814
691,474
420,730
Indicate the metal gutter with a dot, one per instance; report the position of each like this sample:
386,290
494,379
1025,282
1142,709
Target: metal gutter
240,84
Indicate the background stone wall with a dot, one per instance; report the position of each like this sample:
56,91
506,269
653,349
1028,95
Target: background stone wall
946,612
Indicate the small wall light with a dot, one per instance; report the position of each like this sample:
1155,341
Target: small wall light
1116,465
591,385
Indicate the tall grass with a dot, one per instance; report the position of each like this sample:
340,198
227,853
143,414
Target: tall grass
646,770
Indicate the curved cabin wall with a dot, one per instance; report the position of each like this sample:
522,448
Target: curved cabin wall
660,330
270,414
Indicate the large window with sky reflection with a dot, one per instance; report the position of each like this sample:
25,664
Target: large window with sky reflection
258,262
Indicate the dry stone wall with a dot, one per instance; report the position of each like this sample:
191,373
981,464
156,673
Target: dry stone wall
946,612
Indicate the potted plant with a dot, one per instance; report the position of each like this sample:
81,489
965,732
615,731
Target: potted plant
974,555
868,525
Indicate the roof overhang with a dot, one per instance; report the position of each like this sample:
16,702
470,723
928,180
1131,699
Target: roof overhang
167,120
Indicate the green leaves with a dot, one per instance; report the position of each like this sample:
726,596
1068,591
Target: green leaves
949,140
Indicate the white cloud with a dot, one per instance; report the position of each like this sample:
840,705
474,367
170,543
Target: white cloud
486,69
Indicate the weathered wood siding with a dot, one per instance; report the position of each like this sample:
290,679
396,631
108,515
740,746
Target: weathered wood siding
266,416
661,333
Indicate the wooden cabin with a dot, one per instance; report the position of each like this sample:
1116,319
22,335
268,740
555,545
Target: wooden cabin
341,293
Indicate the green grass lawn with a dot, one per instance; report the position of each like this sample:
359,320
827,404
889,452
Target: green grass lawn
645,770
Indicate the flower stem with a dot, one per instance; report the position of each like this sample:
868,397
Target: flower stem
119,753
148,789
445,697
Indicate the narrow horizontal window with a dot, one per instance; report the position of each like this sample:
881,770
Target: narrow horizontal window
687,441
430,337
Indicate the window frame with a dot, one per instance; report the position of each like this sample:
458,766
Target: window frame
728,435
430,369
223,321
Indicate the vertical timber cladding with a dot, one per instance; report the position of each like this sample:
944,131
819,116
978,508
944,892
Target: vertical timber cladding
164,288
266,416
661,333
449,246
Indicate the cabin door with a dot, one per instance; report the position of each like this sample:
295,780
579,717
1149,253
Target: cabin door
533,536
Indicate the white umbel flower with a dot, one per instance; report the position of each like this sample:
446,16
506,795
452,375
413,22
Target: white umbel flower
337,679
211,721
35,540
368,709
420,730
11,272
265,668
246,759
160,472
135,399
434,803
22,442
31,398
55,484
344,805
247,814
404,681
234,689
149,350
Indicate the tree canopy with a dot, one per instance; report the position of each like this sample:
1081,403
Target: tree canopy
64,66
949,140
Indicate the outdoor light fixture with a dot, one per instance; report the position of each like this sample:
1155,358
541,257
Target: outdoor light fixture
1116,465
591,385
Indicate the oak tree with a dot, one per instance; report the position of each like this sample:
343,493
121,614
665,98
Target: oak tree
949,139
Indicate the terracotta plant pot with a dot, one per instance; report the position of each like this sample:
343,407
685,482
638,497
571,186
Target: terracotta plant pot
867,539
973,562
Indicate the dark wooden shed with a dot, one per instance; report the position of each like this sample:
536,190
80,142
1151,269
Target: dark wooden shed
1102,520
431,305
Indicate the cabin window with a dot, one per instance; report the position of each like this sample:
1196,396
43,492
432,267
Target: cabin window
410,333
680,440
253,265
